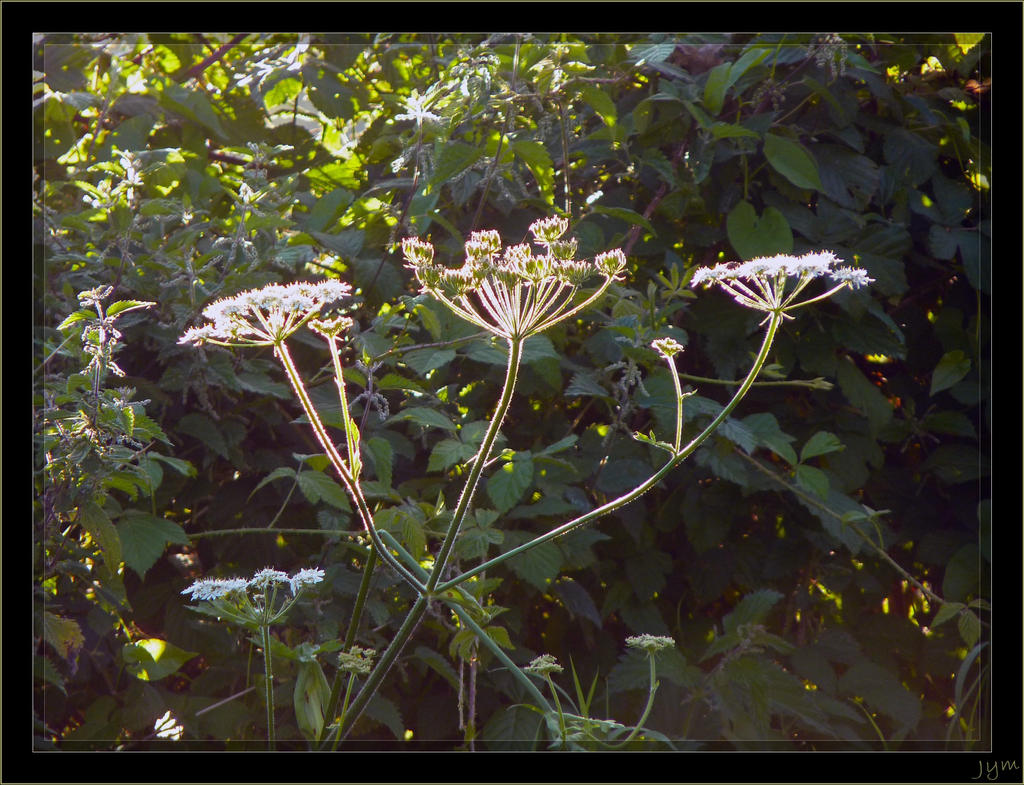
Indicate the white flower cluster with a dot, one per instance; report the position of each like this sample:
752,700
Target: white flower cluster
810,265
264,317
215,588
761,283
513,292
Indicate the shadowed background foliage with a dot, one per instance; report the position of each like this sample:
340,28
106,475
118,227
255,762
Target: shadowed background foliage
181,168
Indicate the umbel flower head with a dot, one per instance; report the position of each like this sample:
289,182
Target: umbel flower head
761,283
514,292
251,602
264,317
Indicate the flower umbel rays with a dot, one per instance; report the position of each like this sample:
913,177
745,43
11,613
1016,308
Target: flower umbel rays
514,292
761,283
264,317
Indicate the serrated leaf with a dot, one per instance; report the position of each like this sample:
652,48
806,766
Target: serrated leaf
122,306
439,664
946,612
969,627
428,418
317,486
953,367
386,713
94,520
624,214
152,658
766,430
583,384
383,457
792,161
882,691
144,538
821,443
64,635
75,318
601,103
864,395
539,565
454,158
507,484
201,427
752,609
537,159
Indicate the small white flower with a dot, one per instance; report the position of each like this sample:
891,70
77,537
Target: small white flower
213,588
761,283
666,347
264,317
515,293
543,665
305,577
651,644
267,576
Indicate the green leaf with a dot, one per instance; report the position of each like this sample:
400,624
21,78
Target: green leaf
821,443
144,538
537,159
539,565
583,384
152,658
813,480
201,427
123,306
507,484
953,367
883,692
961,578
455,157
752,236
601,103
715,87
386,713
969,627
447,453
428,418
731,131
310,698
75,318
624,214
94,520
752,609
766,430
864,395
383,457
947,611
64,635
792,161
317,486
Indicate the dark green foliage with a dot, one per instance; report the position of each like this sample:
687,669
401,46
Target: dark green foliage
800,562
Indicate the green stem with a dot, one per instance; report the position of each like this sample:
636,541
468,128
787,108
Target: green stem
515,354
775,321
339,464
269,683
350,639
387,659
503,658
647,710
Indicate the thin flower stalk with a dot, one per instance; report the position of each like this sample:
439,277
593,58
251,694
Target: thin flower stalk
340,466
515,353
514,293
650,482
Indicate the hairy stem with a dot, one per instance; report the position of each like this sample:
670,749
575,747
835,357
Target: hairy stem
775,321
515,354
